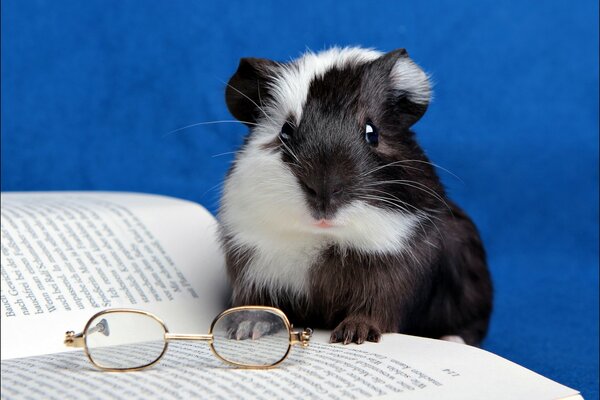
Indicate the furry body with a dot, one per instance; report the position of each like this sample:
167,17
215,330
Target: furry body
354,236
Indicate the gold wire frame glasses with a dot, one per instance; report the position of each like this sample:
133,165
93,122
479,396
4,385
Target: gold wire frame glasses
124,339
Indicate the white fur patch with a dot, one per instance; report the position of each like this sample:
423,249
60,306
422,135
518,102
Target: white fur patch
292,81
264,208
407,77
290,87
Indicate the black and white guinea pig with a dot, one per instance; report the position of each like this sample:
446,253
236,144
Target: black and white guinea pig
332,212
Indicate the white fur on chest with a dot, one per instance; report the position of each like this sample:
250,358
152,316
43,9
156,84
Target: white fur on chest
282,266
281,260
263,209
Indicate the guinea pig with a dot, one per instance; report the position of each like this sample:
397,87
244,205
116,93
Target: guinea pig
333,213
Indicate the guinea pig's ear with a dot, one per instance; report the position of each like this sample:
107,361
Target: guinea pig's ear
248,88
410,86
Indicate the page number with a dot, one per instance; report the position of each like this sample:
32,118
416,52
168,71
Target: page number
450,372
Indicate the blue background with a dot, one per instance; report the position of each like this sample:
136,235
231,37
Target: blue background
90,90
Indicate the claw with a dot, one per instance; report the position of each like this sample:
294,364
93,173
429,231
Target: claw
260,329
356,329
243,330
334,337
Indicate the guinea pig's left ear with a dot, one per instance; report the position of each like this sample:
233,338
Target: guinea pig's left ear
248,88
410,86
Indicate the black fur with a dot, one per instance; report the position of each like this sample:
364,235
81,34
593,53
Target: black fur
439,285
247,87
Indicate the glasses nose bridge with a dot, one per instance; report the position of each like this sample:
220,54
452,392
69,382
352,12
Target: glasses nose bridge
188,336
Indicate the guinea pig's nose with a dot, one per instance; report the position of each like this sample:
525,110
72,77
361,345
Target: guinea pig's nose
323,194
322,189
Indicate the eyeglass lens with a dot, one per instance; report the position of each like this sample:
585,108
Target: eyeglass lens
255,338
124,340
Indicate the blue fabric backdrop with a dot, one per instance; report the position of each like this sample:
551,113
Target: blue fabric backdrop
90,89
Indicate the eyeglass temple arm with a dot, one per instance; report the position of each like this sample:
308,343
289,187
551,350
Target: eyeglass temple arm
74,340
302,337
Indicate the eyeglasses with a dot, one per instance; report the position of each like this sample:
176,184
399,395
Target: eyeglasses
124,339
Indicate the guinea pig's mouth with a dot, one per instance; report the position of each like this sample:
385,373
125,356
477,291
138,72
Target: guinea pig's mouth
324,223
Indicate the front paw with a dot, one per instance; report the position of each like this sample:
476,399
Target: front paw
357,330
249,325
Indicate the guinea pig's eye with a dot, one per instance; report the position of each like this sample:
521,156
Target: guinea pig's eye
371,135
287,130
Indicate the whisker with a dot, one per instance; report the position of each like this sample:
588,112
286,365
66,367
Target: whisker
209,123
220,184
385,166
294,164
418,211
252,101
402,208
437,166
257,106
289,150
428,190
385,200
396,163
223,154
259,98
415,185
391,202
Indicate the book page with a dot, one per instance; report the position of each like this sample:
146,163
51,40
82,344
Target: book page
400,367
464,372
67,255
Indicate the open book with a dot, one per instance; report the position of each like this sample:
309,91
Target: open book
66,256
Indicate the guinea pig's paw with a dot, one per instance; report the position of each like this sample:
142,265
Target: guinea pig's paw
241,330
248,326
357,330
